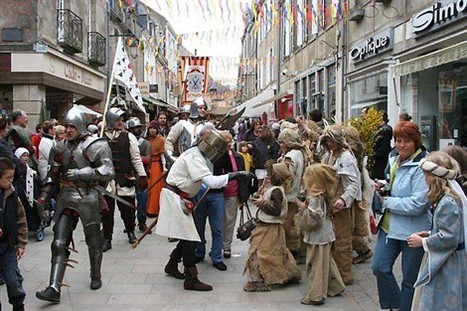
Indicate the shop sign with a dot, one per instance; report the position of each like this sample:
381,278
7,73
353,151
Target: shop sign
372,46
144,88
438,15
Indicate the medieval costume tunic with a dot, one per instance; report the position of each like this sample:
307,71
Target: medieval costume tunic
324,279
186,174
349,183
156,169
442,279
296,161
269,261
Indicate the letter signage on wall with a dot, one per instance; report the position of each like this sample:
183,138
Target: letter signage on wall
372,46
438,15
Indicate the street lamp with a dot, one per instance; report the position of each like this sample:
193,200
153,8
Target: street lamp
134,48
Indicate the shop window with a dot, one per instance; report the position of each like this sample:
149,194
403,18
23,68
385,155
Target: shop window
331,92
436,99
370,91
312,91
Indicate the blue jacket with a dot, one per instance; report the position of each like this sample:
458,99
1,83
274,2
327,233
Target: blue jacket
408,203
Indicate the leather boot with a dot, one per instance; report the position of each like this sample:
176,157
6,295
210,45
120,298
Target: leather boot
107,244
172,266
96,283
192,282
131,237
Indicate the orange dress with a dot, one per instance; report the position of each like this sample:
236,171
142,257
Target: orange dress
157,150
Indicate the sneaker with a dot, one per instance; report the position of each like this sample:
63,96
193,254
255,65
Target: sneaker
220,266
363,257
227,254
48,294
143,227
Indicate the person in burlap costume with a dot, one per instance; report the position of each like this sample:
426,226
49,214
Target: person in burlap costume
361,214
349,193
315,222
269,260
294,157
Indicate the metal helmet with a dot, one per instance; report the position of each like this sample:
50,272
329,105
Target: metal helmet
112,116
194,107
212,144
133,122
77,118
185,109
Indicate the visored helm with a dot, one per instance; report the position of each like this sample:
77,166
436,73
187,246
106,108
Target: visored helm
212,144
133,122
112,116
78,119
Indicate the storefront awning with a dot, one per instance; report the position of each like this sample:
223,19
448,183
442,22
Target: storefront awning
282,96
443,56
160,103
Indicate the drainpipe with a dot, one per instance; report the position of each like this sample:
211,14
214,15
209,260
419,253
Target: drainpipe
279,54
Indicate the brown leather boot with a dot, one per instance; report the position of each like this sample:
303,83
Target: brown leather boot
192,282
172,266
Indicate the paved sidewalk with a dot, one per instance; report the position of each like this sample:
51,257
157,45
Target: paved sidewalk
133,279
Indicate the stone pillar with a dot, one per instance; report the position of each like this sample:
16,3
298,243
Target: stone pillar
30,99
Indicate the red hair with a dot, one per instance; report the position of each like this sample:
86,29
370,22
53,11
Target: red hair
410,131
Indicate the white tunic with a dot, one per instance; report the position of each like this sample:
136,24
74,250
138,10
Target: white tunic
188,173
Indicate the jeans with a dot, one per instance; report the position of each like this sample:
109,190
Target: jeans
211,207
385,254
142,199
14,281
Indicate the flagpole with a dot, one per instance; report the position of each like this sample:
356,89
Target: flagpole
109,90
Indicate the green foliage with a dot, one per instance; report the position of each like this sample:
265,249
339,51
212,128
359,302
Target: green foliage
367,126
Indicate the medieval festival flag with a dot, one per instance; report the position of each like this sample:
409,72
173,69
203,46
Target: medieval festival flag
195,77
124,74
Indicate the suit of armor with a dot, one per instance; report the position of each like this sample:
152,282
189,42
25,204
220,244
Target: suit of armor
78,165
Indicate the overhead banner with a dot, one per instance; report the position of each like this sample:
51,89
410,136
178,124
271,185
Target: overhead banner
195,77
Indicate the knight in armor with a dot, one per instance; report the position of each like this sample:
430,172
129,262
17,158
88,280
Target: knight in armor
129,171
183,133
187,175
78,163
135,126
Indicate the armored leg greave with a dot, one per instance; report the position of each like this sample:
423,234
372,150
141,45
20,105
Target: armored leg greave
63,231
94,241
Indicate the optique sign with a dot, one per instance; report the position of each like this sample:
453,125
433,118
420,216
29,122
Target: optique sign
372,46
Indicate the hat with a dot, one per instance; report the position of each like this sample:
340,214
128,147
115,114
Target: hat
281,170
153,124
290,139
20,151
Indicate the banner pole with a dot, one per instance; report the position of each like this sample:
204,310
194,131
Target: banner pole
109,90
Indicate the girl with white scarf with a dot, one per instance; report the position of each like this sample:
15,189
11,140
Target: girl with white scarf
442,279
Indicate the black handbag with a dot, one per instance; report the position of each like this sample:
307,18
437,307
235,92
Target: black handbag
247,223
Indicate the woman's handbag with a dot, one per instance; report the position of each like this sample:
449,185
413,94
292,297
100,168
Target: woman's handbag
312,217
246,226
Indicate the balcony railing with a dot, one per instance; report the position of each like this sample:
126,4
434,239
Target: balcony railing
70,31
96,49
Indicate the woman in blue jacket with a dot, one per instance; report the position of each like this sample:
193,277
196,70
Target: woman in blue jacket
406,210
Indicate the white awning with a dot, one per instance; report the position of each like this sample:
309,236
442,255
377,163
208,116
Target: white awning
443,56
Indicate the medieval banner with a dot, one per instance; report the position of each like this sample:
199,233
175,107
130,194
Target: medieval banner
195,77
